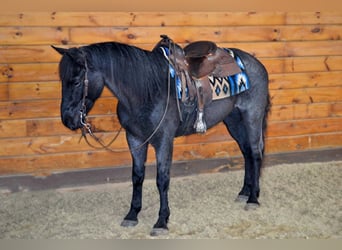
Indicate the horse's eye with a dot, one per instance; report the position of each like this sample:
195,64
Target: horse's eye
77,84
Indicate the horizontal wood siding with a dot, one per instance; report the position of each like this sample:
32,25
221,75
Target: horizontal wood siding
302,52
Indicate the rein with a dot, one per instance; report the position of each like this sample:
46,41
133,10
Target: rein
86,129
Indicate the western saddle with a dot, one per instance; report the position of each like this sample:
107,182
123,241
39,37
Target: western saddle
194,64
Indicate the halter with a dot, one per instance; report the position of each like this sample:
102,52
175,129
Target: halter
87,126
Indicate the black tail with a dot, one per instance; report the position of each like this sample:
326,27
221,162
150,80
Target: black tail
264,122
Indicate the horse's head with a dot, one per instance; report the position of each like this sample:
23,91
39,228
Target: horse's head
82,84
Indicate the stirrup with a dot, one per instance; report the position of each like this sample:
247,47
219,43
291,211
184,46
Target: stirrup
200,126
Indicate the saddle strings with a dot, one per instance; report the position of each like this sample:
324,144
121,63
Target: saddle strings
87,126
178,71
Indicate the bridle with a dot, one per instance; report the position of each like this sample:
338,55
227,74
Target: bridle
86,126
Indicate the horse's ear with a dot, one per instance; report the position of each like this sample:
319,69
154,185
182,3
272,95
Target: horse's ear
61,51
77,55
74,53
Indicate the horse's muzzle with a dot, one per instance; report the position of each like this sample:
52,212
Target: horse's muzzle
71,120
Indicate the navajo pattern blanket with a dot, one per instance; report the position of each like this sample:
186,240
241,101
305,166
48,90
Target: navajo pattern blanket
222,87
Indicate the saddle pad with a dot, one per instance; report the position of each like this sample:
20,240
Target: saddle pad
222,87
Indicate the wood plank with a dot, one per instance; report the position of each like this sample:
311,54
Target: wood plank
35,72
49,108
304,127
282,105
302,64
306,56
264,51
305,95
55,144
317,48
274,129
29,72
284,114
309,32
19,91
29,35
71,142
296,143
133,35
328,140
28,54
31,91
167,18
47,163
219,134
314,17
54,126
45,54
136,36
138,19
305,80
29,109
4,92
316,63
52,90
305,111
12,128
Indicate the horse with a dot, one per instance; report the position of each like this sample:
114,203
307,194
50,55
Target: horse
151,114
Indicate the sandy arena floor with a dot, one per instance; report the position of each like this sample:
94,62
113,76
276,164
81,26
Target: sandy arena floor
297,201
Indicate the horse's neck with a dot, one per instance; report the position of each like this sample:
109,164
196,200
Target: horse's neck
135,83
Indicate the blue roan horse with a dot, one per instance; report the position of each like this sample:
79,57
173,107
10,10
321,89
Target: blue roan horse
147,100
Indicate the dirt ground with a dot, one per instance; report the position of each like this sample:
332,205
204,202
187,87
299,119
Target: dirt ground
297,201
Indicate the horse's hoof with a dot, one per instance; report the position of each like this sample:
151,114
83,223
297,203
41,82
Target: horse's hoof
251,206
241,198
159,231
129,223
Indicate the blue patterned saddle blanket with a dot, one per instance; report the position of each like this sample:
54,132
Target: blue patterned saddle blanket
222,87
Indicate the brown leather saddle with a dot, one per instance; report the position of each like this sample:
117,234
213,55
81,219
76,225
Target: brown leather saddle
205,58
194,64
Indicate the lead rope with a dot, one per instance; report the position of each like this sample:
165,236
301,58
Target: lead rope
87,126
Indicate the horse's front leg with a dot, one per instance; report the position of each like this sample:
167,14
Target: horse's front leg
164,160
138,174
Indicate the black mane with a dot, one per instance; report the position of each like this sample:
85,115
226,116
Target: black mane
138,73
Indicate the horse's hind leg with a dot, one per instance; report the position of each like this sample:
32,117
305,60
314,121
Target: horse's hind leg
247,129
138,174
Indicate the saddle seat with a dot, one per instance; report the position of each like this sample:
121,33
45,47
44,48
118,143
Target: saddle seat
205,58
200,49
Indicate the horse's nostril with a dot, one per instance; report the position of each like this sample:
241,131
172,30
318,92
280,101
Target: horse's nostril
74,128
70,122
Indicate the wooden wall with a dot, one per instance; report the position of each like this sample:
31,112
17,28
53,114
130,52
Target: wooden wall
301,50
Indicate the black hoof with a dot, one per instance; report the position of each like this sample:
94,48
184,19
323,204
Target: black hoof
251,206
241,198
129,223
159,231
